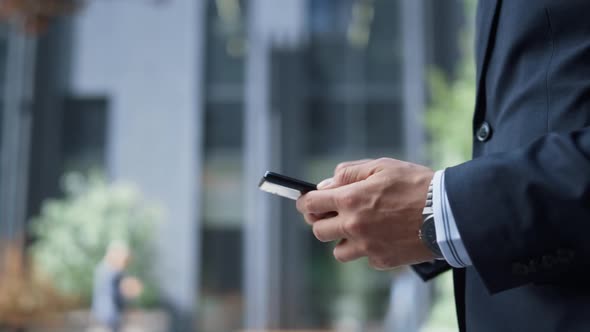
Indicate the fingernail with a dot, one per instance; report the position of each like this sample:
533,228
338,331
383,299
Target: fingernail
325,183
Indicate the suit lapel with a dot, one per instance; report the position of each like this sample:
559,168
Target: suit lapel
486,21
486,15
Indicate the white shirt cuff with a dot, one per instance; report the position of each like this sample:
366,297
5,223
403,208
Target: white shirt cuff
447,234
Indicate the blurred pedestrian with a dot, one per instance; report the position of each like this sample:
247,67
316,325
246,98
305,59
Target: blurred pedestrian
112,287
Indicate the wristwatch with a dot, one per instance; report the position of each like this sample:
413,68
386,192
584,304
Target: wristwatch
427,232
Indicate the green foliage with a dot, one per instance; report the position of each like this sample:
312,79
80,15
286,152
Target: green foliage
443,314
73,233
449,117
449,120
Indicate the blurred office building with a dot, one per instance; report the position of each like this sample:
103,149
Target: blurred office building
192,100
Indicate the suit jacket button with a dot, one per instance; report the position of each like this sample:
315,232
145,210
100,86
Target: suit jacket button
484,132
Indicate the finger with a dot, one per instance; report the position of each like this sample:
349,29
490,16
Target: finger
325,184
353,173
347,251
317,202
351,163
380,265
330,183
310,218
330,229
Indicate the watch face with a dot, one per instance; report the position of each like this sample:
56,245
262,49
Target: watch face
428,235
428,230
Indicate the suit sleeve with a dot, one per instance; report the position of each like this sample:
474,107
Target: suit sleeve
430,270
524,216
447,234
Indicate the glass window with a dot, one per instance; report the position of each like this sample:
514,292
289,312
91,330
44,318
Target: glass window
355,79
1,136
3,50
223,126
327,127
222,198
383,49
84,134
384,125
221,302
225,42
351,109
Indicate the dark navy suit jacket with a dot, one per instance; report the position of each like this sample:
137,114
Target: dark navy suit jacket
522,206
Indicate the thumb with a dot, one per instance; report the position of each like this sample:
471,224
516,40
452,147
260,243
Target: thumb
326,184
330,183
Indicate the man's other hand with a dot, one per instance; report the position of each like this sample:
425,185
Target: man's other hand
374,208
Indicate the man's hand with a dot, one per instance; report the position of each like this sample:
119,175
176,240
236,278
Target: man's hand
131,288
374,207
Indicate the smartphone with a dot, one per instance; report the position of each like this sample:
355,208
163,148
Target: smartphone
285,186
